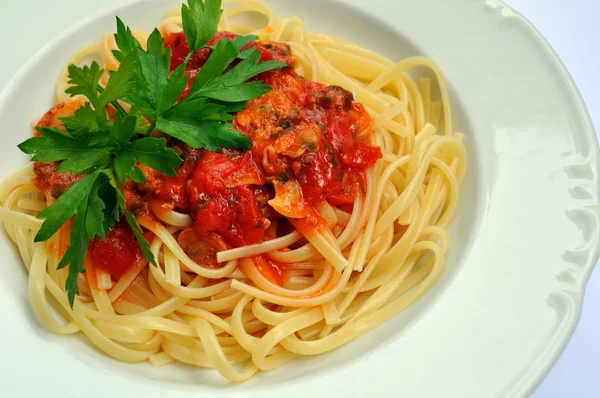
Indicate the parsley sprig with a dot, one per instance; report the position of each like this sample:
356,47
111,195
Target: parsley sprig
107,150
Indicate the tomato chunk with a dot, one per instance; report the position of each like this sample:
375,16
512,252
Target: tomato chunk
118,252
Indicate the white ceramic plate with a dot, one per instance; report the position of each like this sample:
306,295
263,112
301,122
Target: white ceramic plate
524,241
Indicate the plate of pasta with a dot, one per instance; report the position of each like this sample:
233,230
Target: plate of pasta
247,196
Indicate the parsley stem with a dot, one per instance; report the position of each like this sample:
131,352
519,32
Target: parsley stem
116,104
187,59
150,128
119,108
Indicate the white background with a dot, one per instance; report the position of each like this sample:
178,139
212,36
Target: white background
571,27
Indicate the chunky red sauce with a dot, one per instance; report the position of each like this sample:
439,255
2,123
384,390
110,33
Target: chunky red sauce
50,181
306,149
307,131
170,191
117,252
223,199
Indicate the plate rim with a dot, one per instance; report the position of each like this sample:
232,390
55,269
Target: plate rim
542,365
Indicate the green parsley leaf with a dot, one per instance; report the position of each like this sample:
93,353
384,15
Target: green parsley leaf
124,163
232,107
87,119
241,92
139,236
55,145
126,42
120,202
124,129
67,205
222,56
240,42
119,85
232,86
86,162
200,22
92,219
156,89
84,81
211,135
247,69
125,166
75,256
199,109
246,53
102,203
142,124
153,152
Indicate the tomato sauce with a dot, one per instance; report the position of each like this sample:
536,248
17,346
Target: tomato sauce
223,202
307,149
309,131
171,191
50,181
272,270
117,252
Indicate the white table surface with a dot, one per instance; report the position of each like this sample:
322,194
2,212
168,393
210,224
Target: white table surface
571,27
